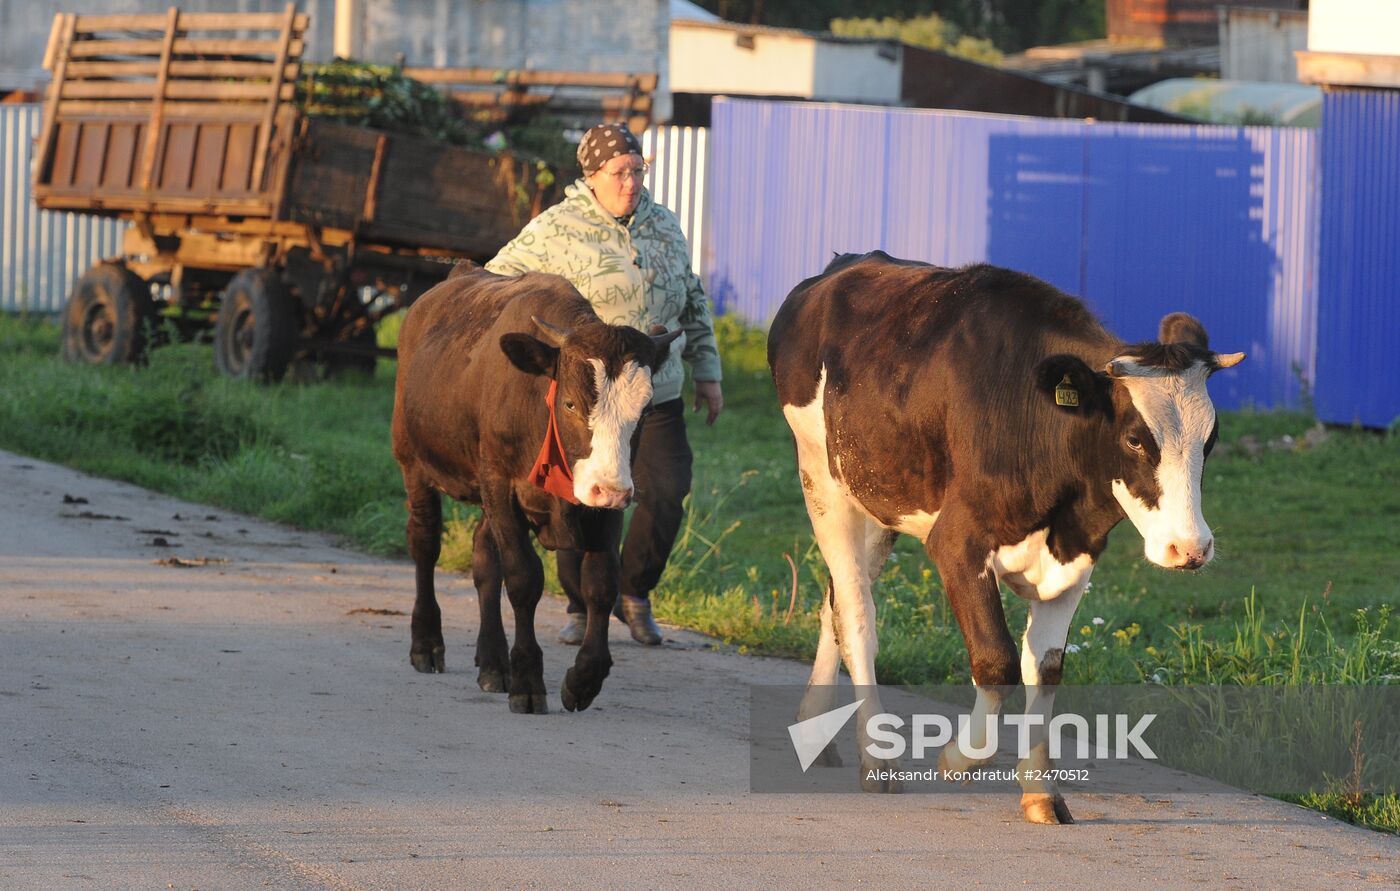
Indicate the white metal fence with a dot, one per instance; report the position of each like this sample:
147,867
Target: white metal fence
677,181
41,253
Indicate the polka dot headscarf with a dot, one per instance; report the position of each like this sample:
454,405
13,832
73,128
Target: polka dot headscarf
603,143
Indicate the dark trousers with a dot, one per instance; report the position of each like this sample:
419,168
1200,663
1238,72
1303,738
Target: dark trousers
661,461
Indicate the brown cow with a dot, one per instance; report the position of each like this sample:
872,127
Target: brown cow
479,355
992,417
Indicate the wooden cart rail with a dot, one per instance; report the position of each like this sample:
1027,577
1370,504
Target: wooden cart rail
190,107
617,95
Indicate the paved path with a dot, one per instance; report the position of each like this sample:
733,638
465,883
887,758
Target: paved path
249,725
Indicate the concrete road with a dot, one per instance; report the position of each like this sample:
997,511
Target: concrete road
255,723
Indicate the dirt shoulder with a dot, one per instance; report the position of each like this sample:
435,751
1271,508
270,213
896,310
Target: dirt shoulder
252,721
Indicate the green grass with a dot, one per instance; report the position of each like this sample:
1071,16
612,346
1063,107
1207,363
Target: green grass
312,456
1381,812
1309,539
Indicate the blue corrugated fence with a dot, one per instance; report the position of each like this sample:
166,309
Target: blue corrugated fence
1138,219
1358,367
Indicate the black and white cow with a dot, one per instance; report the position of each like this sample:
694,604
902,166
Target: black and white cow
995,419
502,381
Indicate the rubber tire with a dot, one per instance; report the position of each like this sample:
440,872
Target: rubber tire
109,317
255,334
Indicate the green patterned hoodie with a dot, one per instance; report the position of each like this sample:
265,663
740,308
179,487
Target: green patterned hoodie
636,274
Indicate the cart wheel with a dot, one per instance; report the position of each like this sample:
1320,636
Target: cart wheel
255,334
109,317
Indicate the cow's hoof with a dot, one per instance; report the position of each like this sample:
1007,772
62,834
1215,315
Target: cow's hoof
828,757
1042,807
945,765
571,703
577,698
957,763
493,680
434,662
529,703
876,776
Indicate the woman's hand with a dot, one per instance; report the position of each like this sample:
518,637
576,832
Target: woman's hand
709,394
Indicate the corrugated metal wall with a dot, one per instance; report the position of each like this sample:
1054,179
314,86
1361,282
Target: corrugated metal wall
1358,367
677,180
41,253
1139,219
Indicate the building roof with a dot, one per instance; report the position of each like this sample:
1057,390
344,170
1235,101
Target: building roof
684,10
1236,101
768,30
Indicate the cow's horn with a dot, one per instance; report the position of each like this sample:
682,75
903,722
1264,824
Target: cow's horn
663,337
1228,360
556,336
1128,366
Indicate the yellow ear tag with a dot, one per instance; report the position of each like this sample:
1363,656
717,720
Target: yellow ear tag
1066,394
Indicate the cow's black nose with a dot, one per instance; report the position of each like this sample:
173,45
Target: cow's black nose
1184,556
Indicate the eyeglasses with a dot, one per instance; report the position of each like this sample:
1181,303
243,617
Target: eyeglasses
627,173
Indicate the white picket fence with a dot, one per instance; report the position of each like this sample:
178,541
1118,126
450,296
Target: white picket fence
677,180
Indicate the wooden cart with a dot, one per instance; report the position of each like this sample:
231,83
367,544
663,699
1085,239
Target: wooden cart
283,236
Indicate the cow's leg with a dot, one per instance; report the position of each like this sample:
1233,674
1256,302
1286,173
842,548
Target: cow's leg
426,651
599,589
821,687
493,674
853,623
524,579
961,554
1042,654
820,696
841,535
879,542
842,531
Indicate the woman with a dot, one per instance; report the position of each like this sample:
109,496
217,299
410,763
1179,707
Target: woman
628,256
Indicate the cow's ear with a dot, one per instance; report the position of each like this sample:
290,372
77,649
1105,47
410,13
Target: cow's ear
1069,384
530,355
1179,327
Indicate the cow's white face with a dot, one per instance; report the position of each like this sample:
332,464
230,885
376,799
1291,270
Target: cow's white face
603,478
1159,487
1158,427
603,384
